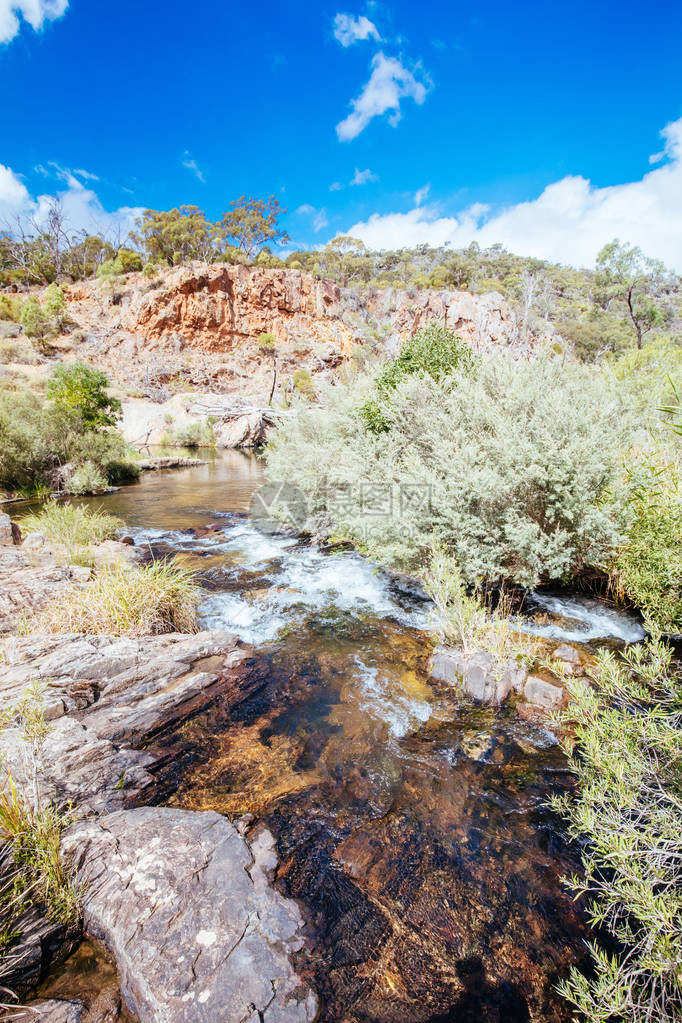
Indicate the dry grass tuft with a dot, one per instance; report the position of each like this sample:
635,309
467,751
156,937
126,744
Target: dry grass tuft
122,601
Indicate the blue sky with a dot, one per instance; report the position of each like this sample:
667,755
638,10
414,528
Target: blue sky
532,124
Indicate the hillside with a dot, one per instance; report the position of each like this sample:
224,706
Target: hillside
195,328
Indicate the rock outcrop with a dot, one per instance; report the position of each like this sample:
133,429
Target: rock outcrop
183,900
484,679
36,573
186,905
104,696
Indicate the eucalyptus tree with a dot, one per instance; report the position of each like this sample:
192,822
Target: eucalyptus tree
643,286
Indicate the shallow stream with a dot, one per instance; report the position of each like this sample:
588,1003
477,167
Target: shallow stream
413,830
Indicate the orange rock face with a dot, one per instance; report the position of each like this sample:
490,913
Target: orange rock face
221,306
198,325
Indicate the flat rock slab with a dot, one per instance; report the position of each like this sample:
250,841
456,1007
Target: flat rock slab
186,907
104,696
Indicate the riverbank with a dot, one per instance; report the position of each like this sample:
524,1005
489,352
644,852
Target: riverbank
103,698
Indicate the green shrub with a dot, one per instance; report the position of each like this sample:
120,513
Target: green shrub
469,621
129,261
193,435
35,438
108,451
35,322
512,471
72,524
267,342
303,383
109,269
87,479
626,750
647,569
77,388
27,441
10,308
16,351
434,351
648,375
128,601
54,305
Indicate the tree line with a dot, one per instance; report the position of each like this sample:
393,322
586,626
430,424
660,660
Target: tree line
49,251
625,297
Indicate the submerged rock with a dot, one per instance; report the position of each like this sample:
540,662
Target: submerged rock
186,906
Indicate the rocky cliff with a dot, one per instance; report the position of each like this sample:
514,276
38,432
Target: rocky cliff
199,325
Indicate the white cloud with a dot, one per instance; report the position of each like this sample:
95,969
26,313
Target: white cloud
192,165
82,207
318,218
362,177
14,197
422,194
335,186
34,12
349,30
389,82
568,222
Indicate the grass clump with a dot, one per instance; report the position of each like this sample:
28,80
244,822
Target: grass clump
626,750
32,870
73,525
192,435
123,601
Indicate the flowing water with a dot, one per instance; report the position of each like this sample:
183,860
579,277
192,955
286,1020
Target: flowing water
412,829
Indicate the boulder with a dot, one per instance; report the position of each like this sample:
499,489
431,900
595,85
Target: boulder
8,329
567,653
543,694
187,908
245,431
571,659
10,534
480,674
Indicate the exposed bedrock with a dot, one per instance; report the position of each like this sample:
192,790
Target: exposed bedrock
186,905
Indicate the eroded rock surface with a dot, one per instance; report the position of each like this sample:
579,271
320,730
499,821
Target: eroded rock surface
201,324
105,695
187,908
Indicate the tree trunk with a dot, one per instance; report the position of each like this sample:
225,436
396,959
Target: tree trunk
635,321
274,381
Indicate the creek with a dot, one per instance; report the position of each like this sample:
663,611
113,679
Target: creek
412,828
